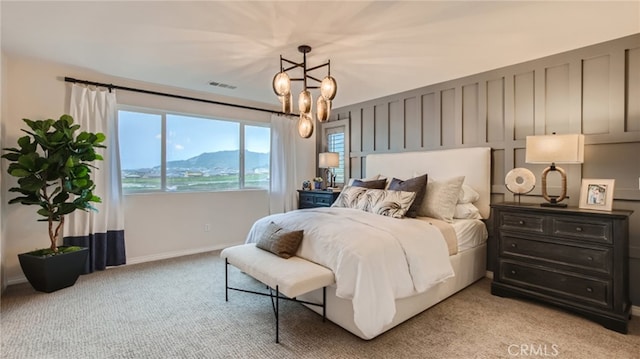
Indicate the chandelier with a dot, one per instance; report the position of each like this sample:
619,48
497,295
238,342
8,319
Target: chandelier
328,88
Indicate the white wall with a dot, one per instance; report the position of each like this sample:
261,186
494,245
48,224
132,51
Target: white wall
156,225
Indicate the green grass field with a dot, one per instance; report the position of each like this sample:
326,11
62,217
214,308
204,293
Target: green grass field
195,184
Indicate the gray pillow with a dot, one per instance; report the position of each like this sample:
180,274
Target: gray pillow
417,185
375,184
279,241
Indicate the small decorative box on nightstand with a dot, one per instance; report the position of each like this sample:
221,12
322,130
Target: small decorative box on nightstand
573,258
316,198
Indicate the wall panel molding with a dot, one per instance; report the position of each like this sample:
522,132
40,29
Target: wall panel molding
593,90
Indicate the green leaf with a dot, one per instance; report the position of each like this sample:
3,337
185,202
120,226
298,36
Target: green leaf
43,212
19,172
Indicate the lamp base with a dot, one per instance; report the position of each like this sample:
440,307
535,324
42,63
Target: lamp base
549,204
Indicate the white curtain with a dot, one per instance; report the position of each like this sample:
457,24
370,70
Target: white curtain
283,195
102,231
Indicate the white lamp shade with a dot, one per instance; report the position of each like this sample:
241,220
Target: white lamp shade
555,149
329,160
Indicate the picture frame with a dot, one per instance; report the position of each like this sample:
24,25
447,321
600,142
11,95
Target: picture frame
597,194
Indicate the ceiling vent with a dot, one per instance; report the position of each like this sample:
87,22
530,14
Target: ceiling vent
222,85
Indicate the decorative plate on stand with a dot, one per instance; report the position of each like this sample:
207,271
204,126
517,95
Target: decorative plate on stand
520,181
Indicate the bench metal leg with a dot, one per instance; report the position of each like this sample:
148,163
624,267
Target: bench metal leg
275,298
226,280
277,315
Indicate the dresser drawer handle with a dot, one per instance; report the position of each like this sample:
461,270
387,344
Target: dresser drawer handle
513,271
589,258
513,245
589,289
521,222
578,229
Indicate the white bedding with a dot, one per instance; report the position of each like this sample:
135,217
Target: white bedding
470,233
375,259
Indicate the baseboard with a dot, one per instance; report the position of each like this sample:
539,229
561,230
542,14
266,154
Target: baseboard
167,255
145,259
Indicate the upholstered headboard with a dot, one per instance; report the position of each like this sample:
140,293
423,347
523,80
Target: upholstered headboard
474,163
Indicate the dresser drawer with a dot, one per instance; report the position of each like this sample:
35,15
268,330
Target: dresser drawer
522,222
561,284
306,200
323,201
592,230
595,259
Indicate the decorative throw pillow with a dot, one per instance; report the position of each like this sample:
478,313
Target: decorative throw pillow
386,203
442,196
468,195
349,197
375,184
350,183
417,185
466,211
279,241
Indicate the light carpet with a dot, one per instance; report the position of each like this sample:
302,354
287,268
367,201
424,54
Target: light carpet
176,309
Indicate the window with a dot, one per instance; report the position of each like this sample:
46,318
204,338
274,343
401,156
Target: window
179,153
335,143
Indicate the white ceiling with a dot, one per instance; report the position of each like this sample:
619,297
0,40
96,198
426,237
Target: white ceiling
376,48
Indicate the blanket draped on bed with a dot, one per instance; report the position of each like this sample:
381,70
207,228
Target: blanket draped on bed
375,259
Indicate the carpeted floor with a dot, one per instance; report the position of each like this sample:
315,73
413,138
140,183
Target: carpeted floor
176,309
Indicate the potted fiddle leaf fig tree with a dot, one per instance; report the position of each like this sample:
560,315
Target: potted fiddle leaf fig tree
53,166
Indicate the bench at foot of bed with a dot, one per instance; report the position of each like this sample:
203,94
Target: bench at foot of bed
291,277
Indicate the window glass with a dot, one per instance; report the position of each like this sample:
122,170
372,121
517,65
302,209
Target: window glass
179,153
335,143
202,154
257,144
140,140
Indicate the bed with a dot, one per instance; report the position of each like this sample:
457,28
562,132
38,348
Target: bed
387,269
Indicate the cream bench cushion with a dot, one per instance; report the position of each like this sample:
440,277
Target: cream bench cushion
293,276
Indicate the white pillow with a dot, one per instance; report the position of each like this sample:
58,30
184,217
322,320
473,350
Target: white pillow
466,211
441,199
468,195
383,202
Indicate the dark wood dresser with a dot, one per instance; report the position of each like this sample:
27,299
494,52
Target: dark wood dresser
573,258
316,198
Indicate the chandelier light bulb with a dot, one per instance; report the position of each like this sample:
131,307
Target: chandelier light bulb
305,125
322,109
287,102
304,102
281,84
328,88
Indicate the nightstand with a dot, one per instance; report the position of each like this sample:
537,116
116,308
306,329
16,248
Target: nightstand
573,258
316,198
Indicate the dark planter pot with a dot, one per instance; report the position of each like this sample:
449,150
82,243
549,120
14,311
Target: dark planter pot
48,274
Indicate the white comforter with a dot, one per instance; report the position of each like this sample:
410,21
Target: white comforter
376,259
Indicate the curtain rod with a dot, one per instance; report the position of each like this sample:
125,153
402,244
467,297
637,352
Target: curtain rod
112,86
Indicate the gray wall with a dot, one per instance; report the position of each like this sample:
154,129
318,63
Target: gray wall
593,90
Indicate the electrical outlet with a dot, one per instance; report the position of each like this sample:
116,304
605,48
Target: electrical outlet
207,227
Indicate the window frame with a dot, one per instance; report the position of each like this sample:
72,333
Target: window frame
336,127
163,148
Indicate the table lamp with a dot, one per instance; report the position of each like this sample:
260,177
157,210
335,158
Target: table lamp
553,149
329,160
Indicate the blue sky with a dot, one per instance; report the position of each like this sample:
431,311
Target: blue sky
140,138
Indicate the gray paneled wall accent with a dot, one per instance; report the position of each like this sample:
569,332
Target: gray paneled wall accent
593,90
